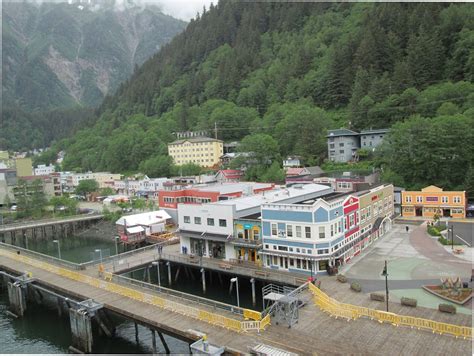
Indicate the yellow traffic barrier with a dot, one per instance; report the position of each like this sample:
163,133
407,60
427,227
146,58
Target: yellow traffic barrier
106,283
349,311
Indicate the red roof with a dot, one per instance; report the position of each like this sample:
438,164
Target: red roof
294,171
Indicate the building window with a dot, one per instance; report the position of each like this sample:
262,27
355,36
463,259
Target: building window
298,263
307,231
341,144
266,247
419,199
289,230
444,200
332,230
222,222
408,199
282,248
341,151
197,220
274,230
322,232
298,231
457,199
187,219
351,220
291,249
292,262
210,221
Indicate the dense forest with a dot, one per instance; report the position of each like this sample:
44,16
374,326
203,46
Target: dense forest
63,56
281,74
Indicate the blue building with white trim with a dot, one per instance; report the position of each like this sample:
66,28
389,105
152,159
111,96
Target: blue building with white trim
305,237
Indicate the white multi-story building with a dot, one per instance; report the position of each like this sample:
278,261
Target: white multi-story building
146,187
44,170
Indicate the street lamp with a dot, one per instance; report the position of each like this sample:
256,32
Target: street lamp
236,281
451,230
385,273
59,247
116,238
157,264
100,254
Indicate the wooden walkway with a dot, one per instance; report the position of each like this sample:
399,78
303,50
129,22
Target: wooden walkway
315,333
48,222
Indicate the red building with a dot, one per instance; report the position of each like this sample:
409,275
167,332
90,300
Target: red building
351,227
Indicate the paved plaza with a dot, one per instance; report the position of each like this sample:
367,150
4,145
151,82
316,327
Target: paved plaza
414,259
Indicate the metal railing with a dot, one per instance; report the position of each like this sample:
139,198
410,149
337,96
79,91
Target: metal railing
37,223
349,311
204,315
42,257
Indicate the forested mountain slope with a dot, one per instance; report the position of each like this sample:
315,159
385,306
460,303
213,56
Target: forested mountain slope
283,73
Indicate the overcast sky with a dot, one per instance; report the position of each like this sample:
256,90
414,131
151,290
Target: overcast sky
184,9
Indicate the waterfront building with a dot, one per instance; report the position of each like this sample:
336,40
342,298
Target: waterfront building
312,236
229,229
8,181
134,228
229,176
292,161
50,185
397,200
207,193
203,151
432,201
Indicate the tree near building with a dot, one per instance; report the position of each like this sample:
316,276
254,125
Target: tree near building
87,186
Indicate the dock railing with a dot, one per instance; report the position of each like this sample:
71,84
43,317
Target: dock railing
107,284
349,311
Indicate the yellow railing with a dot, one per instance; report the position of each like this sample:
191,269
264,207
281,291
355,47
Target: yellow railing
349,311
216,319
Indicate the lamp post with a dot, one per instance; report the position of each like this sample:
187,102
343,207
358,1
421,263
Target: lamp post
236,280
59,247
385,273
100,254
451,230
116,238
157,264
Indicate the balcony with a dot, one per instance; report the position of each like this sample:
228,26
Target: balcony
245,242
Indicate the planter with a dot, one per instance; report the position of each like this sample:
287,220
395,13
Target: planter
409,302
447,308
355,286
341,278
377,296
463,296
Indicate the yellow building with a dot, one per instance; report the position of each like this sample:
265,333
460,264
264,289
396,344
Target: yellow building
433,200
203,151
24,167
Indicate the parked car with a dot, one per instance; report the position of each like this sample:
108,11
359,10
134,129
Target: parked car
13,208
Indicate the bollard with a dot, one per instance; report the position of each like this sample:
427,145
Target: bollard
254,297
203,277
169,272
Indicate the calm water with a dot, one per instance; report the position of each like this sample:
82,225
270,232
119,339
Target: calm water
41,330
216,289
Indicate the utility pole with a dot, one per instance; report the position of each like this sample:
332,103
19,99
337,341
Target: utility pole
385,274
215,129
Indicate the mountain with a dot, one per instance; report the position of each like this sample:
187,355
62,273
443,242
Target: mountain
61,55
283,73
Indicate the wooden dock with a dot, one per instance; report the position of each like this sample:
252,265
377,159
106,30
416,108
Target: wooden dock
49,222
315,333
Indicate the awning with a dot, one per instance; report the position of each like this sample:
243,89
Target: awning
135,229
205,235
377,224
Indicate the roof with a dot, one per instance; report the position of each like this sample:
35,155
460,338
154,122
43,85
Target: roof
228,188
230,173
149,218
314,170
273,196
194,140
135,229
294,171
341,132
376,131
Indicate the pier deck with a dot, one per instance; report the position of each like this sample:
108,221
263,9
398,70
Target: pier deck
48,222
315,333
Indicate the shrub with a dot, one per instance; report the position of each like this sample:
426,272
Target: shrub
445,242
377,296
433,231
341,278
355,286
447,308
410,302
